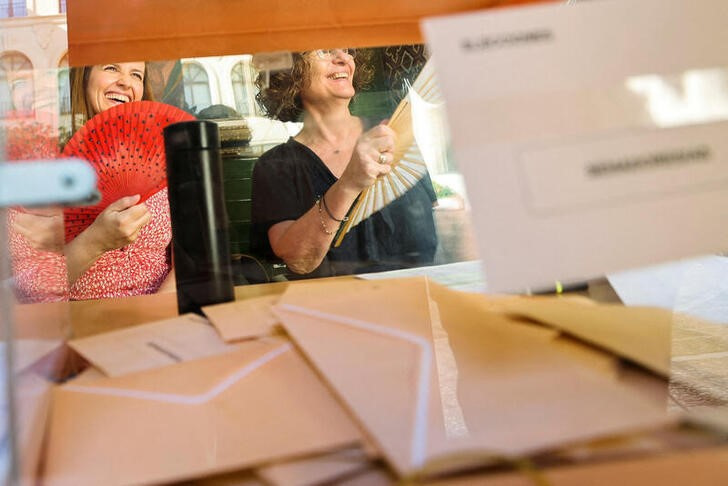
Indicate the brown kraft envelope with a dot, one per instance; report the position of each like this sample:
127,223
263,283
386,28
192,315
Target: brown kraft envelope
257,404
243,319
483,385
642,334
323,469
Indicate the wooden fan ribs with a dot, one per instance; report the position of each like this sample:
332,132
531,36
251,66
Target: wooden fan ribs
408,165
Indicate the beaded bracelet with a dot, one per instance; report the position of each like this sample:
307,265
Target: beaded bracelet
321,217
326,207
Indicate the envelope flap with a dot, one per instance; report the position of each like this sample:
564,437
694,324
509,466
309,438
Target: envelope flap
278,410
496,372
151,345
398,303
192,378
507,369
29,351
243,319
641,334
378,376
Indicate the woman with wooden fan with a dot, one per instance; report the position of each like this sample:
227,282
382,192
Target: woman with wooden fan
125,251
303,189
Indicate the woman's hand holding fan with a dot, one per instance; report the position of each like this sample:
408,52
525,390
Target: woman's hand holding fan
125,145
407,160
365,166
119,224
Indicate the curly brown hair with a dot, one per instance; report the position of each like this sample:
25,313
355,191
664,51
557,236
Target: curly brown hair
281,98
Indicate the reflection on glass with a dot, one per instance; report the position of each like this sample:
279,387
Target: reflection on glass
695,96
30,236
197,86
14,8
16,85
38,119
229,83
242,78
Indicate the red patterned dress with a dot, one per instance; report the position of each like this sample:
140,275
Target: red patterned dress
138,268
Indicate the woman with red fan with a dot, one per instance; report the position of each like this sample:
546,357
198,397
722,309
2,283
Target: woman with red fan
303,189
122,246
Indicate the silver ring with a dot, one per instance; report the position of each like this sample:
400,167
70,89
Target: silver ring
382,159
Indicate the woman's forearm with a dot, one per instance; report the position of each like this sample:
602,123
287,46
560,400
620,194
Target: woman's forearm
81,253
304,243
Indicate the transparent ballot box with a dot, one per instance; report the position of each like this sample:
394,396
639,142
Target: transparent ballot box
358,342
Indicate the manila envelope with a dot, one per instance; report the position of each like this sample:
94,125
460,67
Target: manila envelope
243,319
152,345
436,380
641,334
257,404
33,405
40,334
324,469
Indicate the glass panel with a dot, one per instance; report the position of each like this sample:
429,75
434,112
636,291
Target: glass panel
39,115
16,85
33,290
247,134
13,8
197,86
389,72
243,81
64,96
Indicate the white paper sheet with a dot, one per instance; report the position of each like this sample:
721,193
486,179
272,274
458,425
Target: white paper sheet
698,287
463,276
591,136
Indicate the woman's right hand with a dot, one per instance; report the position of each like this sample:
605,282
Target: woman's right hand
365,165
119,224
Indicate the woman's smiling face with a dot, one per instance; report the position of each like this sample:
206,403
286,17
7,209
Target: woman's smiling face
114,84
330,75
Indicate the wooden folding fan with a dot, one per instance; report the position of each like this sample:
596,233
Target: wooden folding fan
411,121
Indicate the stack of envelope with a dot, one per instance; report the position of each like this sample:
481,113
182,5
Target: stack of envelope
437,379
334,375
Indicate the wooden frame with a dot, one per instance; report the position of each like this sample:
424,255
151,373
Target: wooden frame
102,31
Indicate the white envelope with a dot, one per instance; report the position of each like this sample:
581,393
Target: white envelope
591,136
152,345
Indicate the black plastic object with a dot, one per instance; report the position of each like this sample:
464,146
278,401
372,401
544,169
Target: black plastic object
201,247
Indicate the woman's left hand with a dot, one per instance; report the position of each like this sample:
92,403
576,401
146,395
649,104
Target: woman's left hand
371,158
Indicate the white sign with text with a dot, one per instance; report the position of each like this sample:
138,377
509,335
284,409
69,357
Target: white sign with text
593,137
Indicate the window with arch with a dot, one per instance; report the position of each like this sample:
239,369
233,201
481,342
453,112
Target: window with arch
64,87
197,86
16,85
13,8
243,80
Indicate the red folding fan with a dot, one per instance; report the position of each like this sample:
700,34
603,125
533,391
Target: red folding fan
125,145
